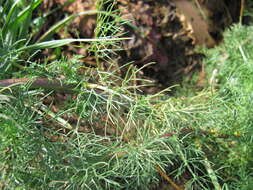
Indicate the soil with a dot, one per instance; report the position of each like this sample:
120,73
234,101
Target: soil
167,34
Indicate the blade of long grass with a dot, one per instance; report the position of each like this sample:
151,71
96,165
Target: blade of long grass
59,43
10,12
7,23
62,23
25,17
16,25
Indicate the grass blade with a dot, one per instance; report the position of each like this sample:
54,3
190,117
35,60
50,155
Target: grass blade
59,43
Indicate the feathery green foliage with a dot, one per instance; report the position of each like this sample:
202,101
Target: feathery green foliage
119,137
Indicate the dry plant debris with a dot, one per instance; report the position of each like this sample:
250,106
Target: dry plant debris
165,33
194,22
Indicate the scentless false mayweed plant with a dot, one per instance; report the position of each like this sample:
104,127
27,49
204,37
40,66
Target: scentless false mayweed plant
66,126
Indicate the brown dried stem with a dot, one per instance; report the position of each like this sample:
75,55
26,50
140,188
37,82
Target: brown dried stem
39,83
163,174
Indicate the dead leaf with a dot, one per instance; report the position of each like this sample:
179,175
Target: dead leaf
195,22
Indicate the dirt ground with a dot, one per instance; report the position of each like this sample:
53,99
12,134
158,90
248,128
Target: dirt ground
167,33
